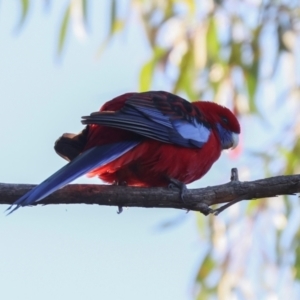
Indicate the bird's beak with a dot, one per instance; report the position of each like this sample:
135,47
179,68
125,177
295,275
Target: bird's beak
235,140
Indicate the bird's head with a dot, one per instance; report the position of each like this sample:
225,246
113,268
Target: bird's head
223,121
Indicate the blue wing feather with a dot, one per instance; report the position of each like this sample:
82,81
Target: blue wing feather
158,115
82,164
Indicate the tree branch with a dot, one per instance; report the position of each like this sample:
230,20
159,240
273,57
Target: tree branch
196,199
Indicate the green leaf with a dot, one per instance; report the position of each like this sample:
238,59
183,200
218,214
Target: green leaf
252,206
84,11
207,266
191,5
204,294
212,40
185,80
63,30
115,24
118,26
235,54
292,158
24,12
148,68
250,75
297,256
222,75
146,75
201,224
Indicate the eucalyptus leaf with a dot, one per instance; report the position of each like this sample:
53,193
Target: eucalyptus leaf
25,4
147,71
63,30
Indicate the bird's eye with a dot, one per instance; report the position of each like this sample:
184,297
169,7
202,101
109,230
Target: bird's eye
224,120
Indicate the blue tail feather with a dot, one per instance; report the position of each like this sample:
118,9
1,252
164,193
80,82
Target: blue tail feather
82,164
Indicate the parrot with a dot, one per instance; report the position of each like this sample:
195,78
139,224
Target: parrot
147,139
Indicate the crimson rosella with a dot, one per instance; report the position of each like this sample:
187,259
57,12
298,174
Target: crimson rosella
148,139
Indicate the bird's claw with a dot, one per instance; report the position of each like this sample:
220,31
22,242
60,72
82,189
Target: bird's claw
174,183
120,209
120,183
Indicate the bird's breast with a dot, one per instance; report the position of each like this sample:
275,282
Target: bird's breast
152,163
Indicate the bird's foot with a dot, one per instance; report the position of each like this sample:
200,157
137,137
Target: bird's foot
70,145
174,183
201,207
120,209
121,183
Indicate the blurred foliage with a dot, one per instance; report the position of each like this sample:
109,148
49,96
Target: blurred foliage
230,51
24,9
213,45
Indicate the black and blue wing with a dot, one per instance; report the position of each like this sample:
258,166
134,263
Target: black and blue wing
160,116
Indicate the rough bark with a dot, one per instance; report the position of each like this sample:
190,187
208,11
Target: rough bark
195,199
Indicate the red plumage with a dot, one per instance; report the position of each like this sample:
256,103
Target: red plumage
143,139
153,163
